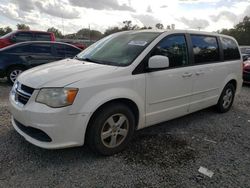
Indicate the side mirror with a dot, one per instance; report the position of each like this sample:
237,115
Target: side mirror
158,62
13,38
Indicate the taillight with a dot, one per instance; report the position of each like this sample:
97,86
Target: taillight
245,65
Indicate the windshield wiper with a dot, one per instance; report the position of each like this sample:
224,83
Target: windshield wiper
89,60
85,59
93,60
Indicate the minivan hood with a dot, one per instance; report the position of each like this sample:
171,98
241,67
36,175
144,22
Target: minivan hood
62,73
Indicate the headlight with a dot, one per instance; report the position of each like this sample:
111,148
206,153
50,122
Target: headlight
57,97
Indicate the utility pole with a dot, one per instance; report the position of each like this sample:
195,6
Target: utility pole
89,34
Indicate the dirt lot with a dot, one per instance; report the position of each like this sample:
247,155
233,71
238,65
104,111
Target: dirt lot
166,155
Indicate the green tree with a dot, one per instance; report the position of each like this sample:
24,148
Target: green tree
22,27
127,25
5,30
145,27
57,33
85,33
241,31
111,30
159,26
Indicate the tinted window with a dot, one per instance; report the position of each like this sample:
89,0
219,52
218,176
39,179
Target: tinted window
42,36
23,36
205,49
71,51
65,50
20,49
230,49
41,48
175,48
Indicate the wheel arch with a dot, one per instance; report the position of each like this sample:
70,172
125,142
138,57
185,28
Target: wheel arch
232,78
234,82
15,65
126,101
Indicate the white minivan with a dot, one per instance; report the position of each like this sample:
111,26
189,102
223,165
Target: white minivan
122,83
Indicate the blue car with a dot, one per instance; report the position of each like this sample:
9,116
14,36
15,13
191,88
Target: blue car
16,58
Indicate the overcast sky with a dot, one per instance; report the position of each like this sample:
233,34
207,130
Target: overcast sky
71,15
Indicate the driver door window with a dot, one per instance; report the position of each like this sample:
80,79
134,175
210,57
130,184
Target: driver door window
175,48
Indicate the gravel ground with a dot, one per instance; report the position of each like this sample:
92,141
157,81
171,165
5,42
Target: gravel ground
165,155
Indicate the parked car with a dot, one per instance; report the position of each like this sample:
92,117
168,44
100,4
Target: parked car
245,49
246,71
78,45
23,35
19,57
122,83
245,57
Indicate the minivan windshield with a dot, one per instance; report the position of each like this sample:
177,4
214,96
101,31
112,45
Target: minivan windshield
118,49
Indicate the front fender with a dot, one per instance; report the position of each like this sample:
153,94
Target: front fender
228,79
100,98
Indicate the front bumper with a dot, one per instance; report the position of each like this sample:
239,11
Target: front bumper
64,129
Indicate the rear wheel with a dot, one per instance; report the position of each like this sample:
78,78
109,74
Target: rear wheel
111,129
226,99
13,73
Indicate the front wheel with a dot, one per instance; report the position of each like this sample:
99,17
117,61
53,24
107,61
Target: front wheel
111,129
226,99
13,73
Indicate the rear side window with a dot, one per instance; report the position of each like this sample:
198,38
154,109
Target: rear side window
23,36
60,49
65,50
20,49
41,48
42,37
205,49
175,48
71,51
230,49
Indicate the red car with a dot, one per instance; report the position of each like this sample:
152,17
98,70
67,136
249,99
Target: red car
246,71
23,35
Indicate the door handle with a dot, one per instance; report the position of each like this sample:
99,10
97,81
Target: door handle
199,73
187,74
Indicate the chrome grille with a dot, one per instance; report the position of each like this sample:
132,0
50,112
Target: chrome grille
22,93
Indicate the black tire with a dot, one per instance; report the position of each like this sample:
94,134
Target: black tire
11,71
223,106
95,135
